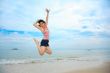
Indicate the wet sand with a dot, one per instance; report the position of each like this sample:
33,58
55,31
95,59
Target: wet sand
59,66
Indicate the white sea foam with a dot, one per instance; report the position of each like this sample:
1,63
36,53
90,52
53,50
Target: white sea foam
13,61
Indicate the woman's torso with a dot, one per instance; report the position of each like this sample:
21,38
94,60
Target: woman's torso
45,33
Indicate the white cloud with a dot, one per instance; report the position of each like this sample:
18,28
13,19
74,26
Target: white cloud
73,15
66,22
63,16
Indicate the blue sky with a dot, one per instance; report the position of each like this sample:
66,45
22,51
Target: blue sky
76,23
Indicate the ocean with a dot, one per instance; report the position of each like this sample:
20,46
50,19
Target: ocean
10,56
26,52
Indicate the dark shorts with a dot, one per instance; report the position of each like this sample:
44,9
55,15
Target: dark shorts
44,42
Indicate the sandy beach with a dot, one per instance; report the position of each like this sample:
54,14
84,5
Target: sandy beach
105,68
57,66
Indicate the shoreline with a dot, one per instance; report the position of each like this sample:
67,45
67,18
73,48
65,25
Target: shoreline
55,66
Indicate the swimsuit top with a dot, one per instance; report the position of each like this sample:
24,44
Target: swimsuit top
46,34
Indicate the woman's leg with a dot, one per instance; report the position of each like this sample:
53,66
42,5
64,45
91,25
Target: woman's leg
48,50
41,49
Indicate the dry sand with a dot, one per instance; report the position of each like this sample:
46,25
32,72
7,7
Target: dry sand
105,68
60,66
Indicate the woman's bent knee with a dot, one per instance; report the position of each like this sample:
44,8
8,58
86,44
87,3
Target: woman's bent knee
41,54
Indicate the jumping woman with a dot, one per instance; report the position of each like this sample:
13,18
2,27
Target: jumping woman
43,46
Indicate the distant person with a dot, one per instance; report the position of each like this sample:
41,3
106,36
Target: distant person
42,25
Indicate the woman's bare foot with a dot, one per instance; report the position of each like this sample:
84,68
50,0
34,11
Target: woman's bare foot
38,46
36,41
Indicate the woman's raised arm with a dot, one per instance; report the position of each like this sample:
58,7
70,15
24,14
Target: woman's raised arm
47,15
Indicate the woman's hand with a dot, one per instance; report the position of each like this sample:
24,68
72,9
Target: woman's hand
47,10
47,15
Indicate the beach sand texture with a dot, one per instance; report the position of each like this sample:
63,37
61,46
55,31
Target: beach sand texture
60,66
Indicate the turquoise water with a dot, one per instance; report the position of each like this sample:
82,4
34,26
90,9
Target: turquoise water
22,51
23,55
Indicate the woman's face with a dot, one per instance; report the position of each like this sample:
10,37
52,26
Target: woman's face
42,24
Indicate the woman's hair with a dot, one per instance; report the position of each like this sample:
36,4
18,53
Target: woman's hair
40,20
